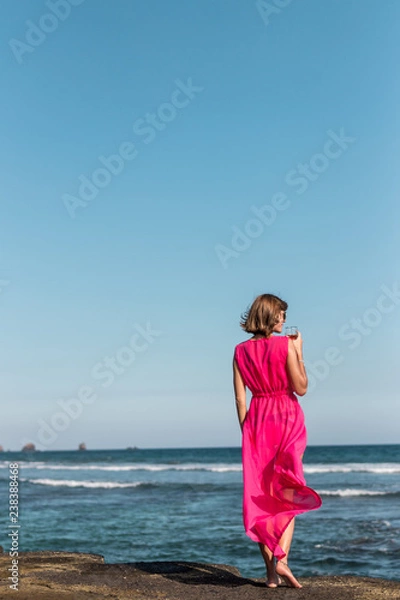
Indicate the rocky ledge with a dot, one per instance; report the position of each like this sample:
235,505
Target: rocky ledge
74,576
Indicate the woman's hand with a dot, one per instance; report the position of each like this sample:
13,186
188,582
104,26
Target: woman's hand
295,365
298,344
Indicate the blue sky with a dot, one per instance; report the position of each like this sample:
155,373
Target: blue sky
216,113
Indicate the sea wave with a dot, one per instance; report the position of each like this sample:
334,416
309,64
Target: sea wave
310,469
379,468
86,484
356,492
5,464
73,483
213,467
76,483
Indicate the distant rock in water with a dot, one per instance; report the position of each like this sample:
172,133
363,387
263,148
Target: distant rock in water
132,448
1,448
82,446
29,448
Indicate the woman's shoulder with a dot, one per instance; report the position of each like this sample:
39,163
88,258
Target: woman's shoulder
241,343
279,344
273,339
239,346
282,341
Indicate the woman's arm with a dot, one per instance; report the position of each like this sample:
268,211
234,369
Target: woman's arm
295,366
240,394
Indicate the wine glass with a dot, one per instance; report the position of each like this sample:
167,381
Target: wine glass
292,332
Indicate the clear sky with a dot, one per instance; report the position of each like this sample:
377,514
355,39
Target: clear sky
162,164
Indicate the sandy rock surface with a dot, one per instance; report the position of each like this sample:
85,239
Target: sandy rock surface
74,576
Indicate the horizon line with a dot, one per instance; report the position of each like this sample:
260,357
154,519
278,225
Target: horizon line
137,448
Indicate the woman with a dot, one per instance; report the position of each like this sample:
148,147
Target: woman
273,434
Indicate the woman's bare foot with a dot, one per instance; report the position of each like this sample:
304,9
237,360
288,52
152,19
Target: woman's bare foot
273,581
283,570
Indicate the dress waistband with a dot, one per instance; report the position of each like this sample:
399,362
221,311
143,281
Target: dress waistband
286,392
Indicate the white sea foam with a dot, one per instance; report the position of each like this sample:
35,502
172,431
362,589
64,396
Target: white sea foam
73,483
352,492
5,464
214,467
380,468
86,484
311,468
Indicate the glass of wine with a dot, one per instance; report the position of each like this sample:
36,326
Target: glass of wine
292,332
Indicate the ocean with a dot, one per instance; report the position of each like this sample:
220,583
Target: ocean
186,504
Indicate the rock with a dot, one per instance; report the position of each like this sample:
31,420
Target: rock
29,448
1,448
82,446
73,576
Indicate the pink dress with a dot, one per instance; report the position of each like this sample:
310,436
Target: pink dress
273,442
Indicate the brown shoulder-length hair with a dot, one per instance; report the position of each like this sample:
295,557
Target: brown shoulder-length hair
263,314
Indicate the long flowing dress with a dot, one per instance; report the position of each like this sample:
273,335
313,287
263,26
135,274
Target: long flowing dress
273,442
